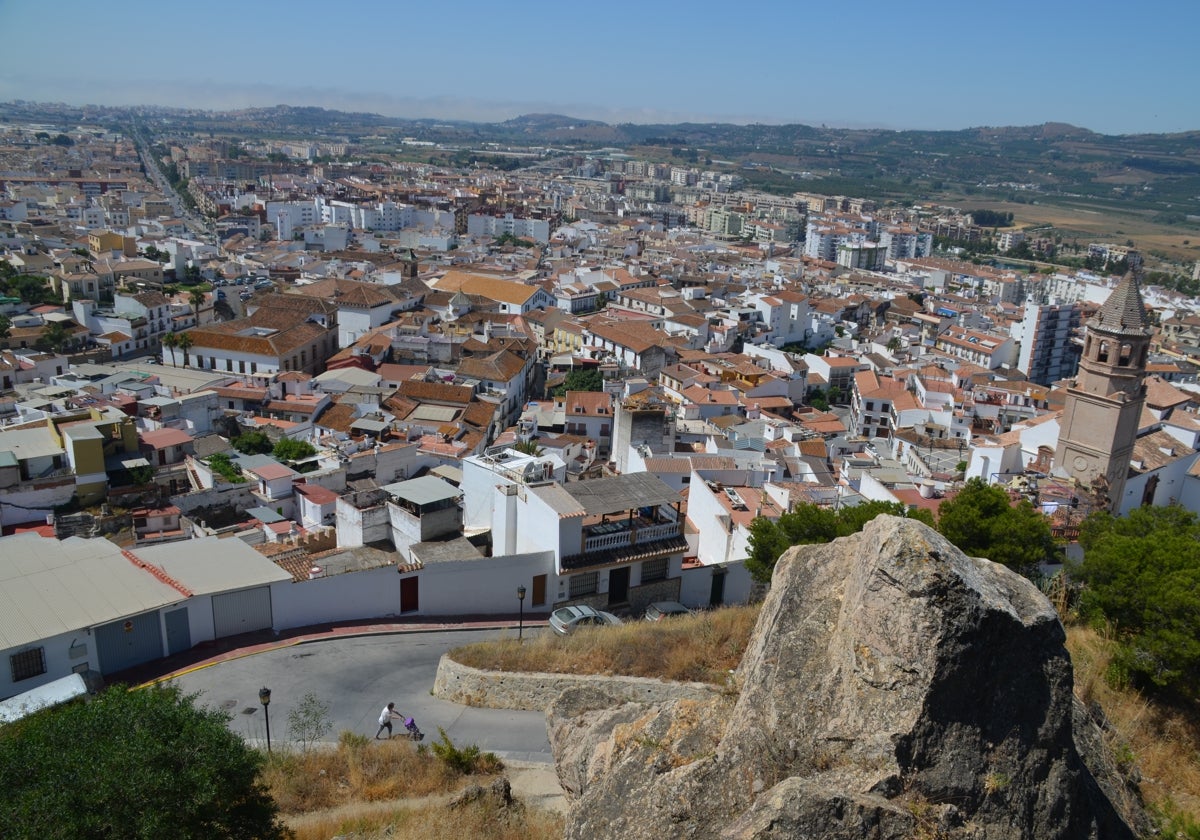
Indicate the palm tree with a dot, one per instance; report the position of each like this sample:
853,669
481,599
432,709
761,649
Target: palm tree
171,341
893,344
185,342
529,447
197,299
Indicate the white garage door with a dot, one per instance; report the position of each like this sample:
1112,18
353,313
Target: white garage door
242,612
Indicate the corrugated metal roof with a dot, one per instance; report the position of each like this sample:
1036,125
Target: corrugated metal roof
622,492
214,565
558,499
423,491
49,587
434,413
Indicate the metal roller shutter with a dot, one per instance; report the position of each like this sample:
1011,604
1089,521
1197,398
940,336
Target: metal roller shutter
242,612
128,642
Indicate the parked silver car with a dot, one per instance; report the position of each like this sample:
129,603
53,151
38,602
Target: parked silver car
565,620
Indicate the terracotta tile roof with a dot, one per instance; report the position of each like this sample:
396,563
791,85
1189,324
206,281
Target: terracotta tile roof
498,367
436,392
162,438
493,288
348,293
316,494
279,343
337,417
479,414
588,404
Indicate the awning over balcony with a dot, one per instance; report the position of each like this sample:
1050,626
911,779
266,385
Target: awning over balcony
598,497
624,554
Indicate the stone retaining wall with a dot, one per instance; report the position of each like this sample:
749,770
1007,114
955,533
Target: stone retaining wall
469,686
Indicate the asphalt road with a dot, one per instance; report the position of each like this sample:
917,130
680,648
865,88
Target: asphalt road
357,677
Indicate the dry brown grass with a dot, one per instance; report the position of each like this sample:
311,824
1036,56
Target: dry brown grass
301,782
699,648
367,789
1161,741
429,822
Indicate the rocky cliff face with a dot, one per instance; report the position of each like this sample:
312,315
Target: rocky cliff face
893,688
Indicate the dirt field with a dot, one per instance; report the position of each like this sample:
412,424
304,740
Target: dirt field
1175,243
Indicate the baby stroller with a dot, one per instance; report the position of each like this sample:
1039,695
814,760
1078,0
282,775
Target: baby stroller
414,733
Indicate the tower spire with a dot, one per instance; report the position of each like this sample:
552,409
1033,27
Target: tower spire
1124,313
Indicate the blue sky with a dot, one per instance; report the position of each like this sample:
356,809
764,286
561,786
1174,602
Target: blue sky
1111,67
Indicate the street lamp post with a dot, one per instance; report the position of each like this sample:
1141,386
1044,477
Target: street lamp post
521,616
264,697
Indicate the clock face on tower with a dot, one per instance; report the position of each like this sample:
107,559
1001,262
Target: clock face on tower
1080,463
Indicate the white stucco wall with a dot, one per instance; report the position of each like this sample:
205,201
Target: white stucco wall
374,593
696,586
58,661
484,586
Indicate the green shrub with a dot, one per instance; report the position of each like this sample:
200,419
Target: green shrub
465,760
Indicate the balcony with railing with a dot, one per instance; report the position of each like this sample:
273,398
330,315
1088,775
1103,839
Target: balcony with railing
634,536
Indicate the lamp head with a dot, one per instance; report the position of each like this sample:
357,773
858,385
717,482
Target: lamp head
521,592
264,696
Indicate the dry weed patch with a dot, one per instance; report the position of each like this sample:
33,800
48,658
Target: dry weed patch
699,648
1162,741
422,822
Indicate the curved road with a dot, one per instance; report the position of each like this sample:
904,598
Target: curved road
357,676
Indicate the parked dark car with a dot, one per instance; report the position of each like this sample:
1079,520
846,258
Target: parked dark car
665,609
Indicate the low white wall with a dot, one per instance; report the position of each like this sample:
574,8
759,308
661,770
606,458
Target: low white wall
374,593
469,686
485,586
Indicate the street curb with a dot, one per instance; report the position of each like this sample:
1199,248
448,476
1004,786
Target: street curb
328,636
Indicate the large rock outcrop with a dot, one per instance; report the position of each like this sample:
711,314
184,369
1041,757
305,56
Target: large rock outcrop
893,688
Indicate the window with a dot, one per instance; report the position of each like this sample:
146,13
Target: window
653,570
587,583
28,663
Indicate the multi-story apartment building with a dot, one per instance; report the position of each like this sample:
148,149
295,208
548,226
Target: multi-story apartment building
479,224
1048,351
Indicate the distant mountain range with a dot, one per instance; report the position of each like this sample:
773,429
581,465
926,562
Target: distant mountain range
1158,172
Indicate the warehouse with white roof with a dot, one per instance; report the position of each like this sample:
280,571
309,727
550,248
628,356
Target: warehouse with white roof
86,604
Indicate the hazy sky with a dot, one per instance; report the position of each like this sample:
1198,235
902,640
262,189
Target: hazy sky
1114,67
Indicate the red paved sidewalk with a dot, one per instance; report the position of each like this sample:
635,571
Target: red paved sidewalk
234,647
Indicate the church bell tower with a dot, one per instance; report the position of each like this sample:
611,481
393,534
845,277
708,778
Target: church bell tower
1104,407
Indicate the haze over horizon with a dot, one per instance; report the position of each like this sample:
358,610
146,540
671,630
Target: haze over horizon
922,65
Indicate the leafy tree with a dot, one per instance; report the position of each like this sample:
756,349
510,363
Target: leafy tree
30,288
223,466
54,337
134,764
141,476
308,721
62,140
582,379
808,524
1141,574
5,326
983,522
293,450
253,443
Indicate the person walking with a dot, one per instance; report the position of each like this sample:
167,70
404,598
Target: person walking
385,719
